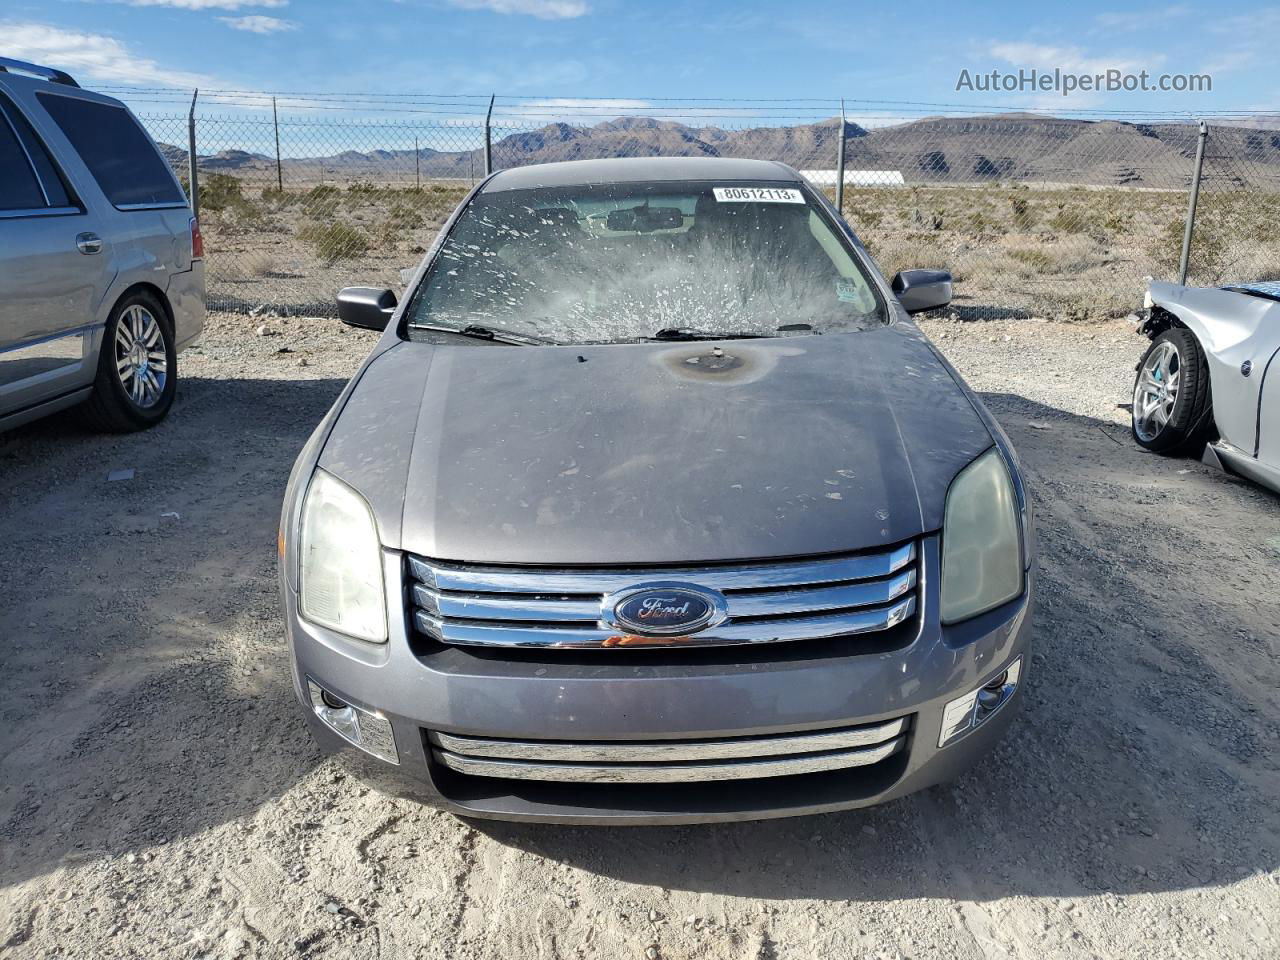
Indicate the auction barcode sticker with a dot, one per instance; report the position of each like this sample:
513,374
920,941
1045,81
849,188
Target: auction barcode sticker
758,195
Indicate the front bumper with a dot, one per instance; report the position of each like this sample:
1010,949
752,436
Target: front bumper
625,697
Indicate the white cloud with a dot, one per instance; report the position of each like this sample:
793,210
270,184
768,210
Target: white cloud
542,9
570,110
205,4
1238,59
604,105
1066,59
1129,21
1258,23
103,58
256,23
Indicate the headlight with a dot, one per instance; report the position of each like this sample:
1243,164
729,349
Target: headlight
981,540
340,570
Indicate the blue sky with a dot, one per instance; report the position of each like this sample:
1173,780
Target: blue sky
634,52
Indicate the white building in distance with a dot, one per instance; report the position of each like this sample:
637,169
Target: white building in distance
856,178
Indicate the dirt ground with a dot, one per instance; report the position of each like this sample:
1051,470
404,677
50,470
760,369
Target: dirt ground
160,797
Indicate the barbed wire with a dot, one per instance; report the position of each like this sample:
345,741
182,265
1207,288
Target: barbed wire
551,106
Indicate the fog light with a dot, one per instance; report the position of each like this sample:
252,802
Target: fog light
369,731
992,695
964,713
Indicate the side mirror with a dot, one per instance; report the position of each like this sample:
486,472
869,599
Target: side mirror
366,307
920,290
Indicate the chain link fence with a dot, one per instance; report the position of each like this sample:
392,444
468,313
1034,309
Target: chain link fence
1034,216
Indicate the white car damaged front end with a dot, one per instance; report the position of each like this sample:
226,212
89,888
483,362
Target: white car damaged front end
1209,384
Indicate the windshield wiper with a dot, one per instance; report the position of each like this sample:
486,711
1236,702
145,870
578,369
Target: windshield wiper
477,332
688,333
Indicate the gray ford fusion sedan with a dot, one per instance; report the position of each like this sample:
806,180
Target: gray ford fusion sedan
652,504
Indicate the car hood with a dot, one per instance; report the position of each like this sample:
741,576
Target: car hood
658,452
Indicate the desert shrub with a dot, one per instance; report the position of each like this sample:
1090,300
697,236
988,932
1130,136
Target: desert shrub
403,217
243,215
899,251
220,191
335,241
1117,222
279,199
1068,220
1037,260
1212,256
863,219
978,222
362,193
321,199
398,226
1098,302
435,202
1021,214
259,263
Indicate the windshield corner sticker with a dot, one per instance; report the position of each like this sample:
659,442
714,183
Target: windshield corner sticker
847,290
758,195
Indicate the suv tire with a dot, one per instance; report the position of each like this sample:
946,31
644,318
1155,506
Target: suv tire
137,367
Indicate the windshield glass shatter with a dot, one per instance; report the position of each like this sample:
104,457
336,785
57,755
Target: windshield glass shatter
622,262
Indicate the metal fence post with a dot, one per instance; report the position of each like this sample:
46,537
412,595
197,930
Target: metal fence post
1191,204
417,167
275,122
488,139
840,164
193,178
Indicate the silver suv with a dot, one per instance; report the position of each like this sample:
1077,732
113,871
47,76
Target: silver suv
101,276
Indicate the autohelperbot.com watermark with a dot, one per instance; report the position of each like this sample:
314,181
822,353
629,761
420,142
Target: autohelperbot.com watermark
1067,82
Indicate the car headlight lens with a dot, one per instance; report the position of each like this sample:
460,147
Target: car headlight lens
340,570
981,540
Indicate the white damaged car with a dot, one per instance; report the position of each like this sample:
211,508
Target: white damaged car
1211,378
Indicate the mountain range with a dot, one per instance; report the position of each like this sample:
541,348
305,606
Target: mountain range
1013,147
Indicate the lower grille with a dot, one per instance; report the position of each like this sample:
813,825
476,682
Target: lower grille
495,606
671,761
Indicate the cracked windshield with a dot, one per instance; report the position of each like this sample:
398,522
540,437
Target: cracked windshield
619,263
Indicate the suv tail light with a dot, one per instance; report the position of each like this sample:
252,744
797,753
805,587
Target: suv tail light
197,241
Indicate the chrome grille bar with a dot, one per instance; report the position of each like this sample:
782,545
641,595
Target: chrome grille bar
752,576
495,634
568,609
670,772
669,751
510,607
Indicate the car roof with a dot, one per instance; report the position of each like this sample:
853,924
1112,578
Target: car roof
573,173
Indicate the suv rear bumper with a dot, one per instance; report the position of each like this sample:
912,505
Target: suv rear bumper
621,697
186,295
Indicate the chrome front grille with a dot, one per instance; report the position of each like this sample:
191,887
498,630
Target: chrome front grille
671,761
499,606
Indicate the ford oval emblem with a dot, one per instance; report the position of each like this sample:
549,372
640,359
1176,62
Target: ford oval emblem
663,609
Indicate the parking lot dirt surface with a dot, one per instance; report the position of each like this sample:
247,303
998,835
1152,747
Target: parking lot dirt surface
160,796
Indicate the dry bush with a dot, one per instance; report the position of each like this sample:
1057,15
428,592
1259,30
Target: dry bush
321,200
259,263
434,202
334,241
1033,259
895,253
1068,220
219,191
1092,302
277,199
1021,213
